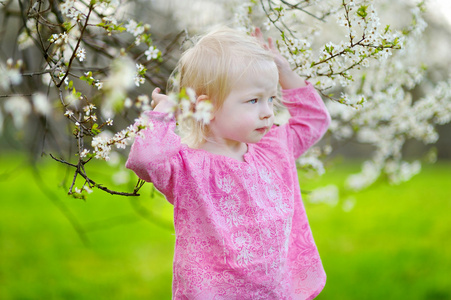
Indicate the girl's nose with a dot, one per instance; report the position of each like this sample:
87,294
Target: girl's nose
266,111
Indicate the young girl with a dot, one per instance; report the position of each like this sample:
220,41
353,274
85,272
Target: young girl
240,224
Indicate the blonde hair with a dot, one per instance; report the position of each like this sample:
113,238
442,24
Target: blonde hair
212,66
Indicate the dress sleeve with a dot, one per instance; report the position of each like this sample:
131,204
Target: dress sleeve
154,155
309,118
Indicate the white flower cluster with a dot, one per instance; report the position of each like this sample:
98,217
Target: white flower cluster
134,28
25,40
311,161
139,78
89,112
299,52
399,172
328,194
102,145
10,74
184,107
365,39
242,20
19,108
41,104
120,80
69,10
77,191
373,68
370,172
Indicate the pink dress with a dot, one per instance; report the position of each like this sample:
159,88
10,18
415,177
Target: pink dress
241,227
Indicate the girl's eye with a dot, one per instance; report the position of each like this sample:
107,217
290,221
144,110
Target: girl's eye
271,99
253,101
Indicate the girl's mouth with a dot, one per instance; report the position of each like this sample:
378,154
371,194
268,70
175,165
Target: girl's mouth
262,129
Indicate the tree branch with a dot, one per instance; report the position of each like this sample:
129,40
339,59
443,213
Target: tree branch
78,171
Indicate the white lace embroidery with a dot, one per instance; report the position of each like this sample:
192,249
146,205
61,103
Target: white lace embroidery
226,183
230,207
242,242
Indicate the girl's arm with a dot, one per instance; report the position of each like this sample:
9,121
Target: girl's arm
153,156
309,116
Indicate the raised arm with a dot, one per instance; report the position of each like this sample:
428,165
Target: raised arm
309,117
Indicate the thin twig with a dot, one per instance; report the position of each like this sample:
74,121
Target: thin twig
97,185
76,47
301,9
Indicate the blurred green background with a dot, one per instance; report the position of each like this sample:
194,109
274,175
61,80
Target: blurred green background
394,244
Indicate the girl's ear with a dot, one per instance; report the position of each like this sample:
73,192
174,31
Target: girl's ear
205,98
201,98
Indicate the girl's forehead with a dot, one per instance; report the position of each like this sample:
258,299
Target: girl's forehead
255,85
268,75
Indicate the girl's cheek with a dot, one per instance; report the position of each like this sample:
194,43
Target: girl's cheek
248,121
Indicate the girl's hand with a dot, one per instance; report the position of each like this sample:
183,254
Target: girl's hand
161,102
288,79
281,62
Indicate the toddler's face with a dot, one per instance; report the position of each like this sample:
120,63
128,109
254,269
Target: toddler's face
247,113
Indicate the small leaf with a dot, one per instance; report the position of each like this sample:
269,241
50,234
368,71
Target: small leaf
95,129
361,12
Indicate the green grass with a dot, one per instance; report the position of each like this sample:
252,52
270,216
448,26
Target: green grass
394,244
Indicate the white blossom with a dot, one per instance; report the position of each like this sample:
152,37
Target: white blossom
110,19
267,25
10,74
102,143
108,8
140,67
134,28
66,6
81,54
120,80
203,112
84,153
122,76
24,40
370,172
87,189
121,177
311,162
142,100
139,80
328,194
152,53
348,204
99,85
41,104
69,113
128,103
19,108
